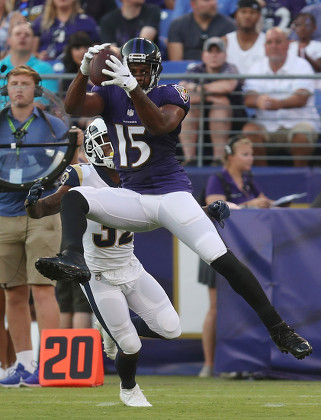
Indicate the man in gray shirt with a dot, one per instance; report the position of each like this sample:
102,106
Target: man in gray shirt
187,33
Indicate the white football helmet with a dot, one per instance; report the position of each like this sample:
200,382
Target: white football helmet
96,137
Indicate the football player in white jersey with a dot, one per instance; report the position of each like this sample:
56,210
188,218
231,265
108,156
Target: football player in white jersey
118,279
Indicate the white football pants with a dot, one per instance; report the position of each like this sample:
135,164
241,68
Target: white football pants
145,297
178,212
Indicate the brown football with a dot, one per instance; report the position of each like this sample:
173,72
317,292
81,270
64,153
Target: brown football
98,63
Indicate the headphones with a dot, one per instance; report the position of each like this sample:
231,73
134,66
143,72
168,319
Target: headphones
228,148
38,89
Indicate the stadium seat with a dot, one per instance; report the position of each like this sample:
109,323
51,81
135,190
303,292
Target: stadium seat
172,67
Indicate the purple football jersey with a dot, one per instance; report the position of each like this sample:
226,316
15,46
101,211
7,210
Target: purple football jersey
146,164
280,12
54,39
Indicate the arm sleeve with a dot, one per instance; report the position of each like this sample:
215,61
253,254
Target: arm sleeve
71,176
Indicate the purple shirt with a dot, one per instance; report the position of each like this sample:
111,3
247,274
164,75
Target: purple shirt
146,164
115,28
235,195
280,12
55,39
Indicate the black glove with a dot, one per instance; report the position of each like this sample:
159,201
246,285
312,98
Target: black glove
35,193
218,210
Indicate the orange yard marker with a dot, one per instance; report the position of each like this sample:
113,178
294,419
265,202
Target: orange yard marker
71,357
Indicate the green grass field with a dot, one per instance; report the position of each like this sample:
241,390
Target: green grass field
172,397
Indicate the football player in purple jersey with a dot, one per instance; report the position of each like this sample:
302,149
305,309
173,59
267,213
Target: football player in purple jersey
144,121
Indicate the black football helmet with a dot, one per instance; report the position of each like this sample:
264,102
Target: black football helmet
142,50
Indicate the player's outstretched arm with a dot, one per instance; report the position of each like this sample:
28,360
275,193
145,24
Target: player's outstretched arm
78,101
37,207
81,103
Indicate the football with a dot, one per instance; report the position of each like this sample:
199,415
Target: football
98,63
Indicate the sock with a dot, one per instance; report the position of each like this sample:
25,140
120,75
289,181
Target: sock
26,358
143,329
126,366
74,208
243,282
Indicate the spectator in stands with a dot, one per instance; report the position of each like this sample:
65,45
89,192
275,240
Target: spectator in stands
280,13
77,45
7,19
225,7
98,8
245,46
60,19
234,184
315,10
134,18
21,41
187,33
30,9
220,96
162,4
304,25
285,111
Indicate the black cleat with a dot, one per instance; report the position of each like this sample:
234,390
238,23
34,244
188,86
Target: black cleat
289,341
67,266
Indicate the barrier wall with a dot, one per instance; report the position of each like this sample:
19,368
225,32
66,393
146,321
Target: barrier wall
282,247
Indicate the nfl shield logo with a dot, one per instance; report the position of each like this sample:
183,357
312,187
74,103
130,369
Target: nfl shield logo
130,112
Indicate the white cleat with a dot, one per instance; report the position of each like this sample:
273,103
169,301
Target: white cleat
110,347
133,397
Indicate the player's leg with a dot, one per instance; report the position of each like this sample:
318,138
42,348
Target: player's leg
117,208
111,309
190,224
148,300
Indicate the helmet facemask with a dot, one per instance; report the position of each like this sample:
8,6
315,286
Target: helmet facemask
96,140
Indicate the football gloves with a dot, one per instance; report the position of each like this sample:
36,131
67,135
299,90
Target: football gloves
219,210
88,56
34,193
121,74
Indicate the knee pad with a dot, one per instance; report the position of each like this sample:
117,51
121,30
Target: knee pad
169,324
130,344
210,246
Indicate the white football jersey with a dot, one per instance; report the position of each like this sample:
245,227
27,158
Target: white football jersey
107,250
